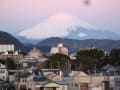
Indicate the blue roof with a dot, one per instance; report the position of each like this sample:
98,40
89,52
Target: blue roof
38,72
23,74
40,78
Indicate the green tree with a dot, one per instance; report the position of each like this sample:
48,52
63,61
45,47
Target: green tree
115,57
58,61
88,59
10,64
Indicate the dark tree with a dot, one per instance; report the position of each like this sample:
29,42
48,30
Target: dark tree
88,59
9,63
115,57
58,61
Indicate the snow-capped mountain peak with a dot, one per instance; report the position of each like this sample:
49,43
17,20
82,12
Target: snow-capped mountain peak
58,25
69,20
68,26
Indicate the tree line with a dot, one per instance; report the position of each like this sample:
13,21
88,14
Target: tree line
84,60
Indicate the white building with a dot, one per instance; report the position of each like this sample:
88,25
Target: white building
59,49
3,72
35,53
6,47
33,58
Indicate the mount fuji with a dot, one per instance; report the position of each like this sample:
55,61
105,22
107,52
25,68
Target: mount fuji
66,26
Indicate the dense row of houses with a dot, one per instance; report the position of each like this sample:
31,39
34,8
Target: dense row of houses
30,77
53,79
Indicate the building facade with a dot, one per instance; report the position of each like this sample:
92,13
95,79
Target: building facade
3,72
6,47
59,49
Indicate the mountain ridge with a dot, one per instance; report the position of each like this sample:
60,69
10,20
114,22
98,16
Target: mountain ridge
74,45
7,38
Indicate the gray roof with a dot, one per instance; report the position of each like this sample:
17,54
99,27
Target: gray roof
23,74
44,80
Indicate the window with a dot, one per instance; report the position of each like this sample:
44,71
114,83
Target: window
76,85
2,71
63,87
25,80
3,77
41,88
71,84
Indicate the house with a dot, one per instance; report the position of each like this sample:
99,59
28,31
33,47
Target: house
28,62
11,54
36,54
33,59
5,85
43,83
21,80
82,81
109,70
3,72
115,84
47,79
53,74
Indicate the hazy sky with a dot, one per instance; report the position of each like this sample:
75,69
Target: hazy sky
17,15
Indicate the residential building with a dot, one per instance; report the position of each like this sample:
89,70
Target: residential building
53,74
12,55
6,47
21,80
5,85
59,49
43,83
36,53
33,59
28,62
82,81
3,72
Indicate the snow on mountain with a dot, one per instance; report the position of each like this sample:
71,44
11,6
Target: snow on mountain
58,25
82,35
67,26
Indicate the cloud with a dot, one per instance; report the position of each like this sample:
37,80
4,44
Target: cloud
82,35
58,25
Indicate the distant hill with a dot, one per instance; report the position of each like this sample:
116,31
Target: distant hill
74,45
6,38
27,41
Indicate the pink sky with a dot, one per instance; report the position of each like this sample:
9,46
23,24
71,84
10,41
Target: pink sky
20,14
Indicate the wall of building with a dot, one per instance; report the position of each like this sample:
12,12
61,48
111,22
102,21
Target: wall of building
59,49
3,74
59,87
50,85
74,86
6,47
